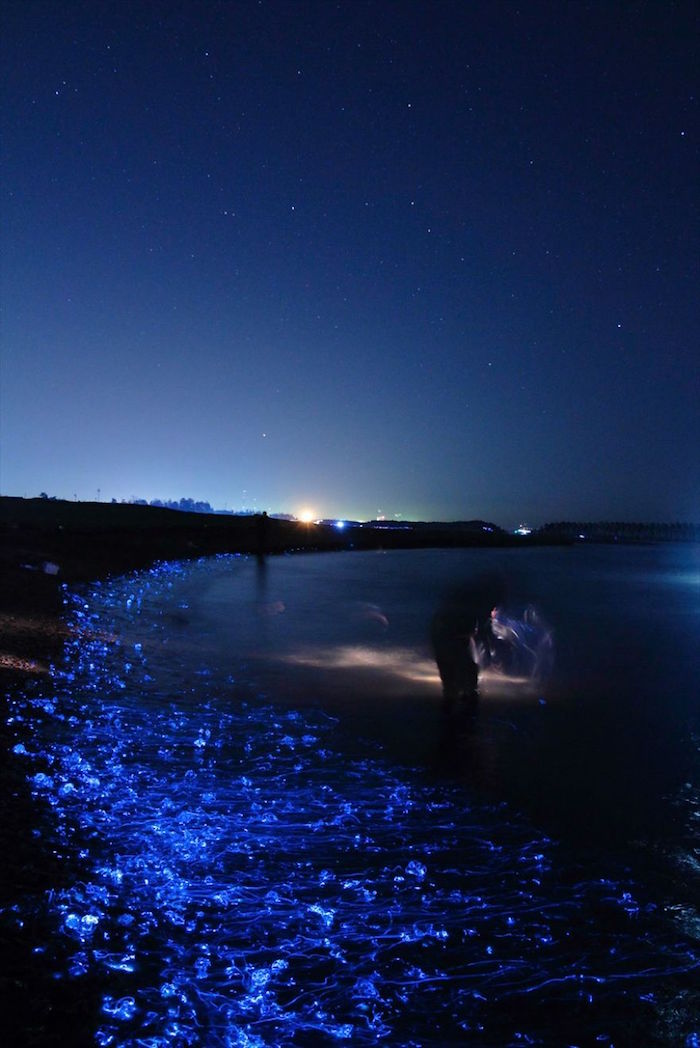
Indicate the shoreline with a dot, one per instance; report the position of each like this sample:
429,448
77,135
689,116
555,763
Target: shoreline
41,1007
46,543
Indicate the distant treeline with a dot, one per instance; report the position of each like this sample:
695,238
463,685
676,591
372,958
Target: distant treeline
186,505
622,531
196,506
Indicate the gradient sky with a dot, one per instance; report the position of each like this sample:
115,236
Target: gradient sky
432,259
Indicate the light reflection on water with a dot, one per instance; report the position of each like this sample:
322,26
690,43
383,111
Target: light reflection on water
250,879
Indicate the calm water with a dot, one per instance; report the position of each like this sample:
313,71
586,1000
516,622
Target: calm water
285,839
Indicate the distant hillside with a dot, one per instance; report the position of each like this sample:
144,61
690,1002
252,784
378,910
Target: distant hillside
92,539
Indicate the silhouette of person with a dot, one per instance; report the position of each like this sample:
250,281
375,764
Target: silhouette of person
261,528
461,636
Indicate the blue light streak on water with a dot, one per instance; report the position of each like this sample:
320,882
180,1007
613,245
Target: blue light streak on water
246,883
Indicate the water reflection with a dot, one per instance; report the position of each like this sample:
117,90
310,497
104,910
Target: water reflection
397,667
394,669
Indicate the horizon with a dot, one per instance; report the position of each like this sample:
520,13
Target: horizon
432,262
340,520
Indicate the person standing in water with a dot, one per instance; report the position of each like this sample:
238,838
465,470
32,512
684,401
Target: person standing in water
461,636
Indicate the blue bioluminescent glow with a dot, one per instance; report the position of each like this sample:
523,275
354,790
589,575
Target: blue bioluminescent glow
244,882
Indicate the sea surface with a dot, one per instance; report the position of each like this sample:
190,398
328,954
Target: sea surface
280,836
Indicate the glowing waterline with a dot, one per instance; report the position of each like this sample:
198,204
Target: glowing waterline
246,884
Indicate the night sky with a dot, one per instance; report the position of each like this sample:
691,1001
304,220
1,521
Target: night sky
434,259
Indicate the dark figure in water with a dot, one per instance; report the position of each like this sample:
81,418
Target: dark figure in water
261,528
462,637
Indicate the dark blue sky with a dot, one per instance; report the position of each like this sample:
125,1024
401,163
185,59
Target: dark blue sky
432,259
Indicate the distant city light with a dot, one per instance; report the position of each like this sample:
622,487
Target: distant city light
523,529
340,524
